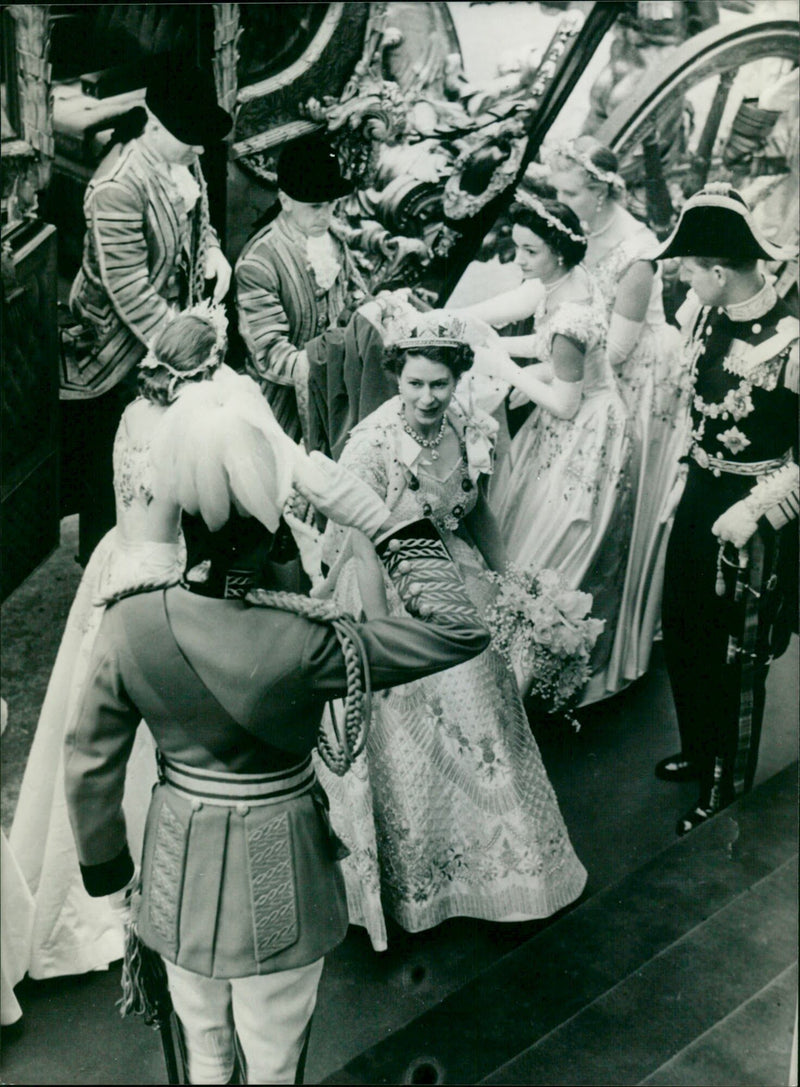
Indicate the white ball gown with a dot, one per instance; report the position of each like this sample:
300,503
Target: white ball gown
72,932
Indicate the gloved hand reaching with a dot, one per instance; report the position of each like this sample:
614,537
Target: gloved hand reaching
340,496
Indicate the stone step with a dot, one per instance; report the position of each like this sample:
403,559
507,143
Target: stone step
679,995
738,861
746,1047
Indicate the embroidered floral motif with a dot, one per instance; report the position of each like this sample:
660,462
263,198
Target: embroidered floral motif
737,403
734,439
450,813
133,471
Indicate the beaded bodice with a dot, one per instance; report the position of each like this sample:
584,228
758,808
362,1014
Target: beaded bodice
445,501
382,454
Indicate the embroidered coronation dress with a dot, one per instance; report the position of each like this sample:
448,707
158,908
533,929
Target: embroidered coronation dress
654,383
562,495
74,933
449,812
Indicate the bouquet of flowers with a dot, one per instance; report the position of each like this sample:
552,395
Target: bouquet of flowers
544,631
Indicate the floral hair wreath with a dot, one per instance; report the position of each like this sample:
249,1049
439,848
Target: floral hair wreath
584,160
534,204
207,311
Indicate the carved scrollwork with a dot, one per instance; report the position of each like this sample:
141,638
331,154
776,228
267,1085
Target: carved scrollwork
435,149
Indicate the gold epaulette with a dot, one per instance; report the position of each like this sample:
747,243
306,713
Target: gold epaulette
760,363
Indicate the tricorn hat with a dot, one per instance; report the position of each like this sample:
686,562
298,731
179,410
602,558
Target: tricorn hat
184,99
717,222
309,171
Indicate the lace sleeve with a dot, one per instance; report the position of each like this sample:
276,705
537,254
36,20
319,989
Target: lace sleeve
363,456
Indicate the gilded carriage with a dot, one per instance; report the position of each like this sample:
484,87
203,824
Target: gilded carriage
435,128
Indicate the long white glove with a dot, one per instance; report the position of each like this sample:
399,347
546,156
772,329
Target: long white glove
560,398
623,335
340,495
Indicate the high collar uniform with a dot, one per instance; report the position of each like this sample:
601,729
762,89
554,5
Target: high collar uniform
718,643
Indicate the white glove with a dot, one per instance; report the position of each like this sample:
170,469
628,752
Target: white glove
121,901
623,335
736,525
340,495
518,399
494,361
218,268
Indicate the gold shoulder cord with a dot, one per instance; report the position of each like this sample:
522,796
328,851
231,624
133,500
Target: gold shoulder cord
340,752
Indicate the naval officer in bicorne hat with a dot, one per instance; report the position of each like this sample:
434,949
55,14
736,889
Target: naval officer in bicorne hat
731,563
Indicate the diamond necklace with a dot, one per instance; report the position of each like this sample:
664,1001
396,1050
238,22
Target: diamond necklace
426,443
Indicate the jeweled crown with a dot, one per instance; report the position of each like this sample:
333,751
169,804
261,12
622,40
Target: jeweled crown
436,328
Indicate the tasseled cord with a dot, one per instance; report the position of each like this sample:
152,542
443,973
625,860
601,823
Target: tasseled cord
144,982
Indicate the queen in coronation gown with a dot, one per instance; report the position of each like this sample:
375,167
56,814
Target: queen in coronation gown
448,811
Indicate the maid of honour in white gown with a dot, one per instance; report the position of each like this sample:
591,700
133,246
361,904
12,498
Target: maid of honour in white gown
562,493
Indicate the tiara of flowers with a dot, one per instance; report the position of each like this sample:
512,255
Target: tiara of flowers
441,330
584,160
532,202
207,311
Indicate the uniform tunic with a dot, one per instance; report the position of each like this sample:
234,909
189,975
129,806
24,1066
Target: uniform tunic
744,419
232,890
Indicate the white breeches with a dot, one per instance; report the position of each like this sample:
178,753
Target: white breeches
268,1013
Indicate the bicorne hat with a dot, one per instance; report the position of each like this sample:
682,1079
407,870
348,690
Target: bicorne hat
717,222
309,171
184,99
